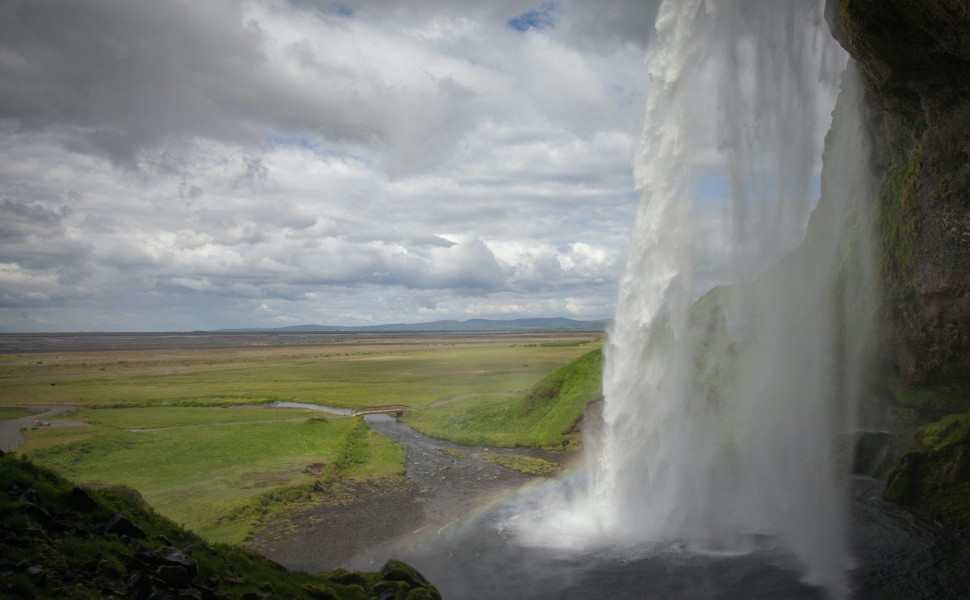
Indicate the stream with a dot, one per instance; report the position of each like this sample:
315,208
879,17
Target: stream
454,520
456,525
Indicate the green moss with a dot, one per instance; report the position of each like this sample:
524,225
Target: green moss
929,400
945,433
936,474
945,482
899,222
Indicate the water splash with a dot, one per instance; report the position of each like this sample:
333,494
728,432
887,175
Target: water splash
722,417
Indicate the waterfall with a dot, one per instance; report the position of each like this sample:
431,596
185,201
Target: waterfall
723,414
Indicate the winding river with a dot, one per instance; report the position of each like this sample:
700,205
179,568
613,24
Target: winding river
456,522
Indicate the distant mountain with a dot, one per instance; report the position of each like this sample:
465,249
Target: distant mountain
471,325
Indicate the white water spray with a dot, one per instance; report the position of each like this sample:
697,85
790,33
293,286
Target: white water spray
722,417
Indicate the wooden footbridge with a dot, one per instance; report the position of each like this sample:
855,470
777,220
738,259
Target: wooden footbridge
391,409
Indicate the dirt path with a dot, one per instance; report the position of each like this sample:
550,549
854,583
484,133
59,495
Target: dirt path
10,436
445,482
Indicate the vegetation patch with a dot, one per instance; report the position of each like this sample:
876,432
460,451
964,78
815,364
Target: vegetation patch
544,417
529,465
218,471
13,412
61,541
930,401
947,432
935,473
898,218
454,453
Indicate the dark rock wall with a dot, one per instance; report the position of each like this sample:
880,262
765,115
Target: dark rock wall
914,56
914,60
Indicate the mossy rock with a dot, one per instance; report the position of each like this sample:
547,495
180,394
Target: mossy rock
935,475
395,570
905,483
405,580
320,592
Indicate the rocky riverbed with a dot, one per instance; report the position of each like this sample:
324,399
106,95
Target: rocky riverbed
445,482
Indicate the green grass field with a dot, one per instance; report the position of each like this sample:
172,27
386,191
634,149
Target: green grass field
13,412
348,374
213,470
175,425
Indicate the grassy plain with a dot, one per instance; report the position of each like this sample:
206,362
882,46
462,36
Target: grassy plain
170,422
216,471
347,373
13,412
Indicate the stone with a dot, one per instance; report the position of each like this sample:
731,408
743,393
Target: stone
174,576
395,570
118,524
173,557
80,500
140,586
874,455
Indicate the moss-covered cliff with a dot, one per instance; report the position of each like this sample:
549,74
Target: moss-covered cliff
914,57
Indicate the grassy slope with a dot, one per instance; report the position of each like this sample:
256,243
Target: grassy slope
544,417
54,544
215,470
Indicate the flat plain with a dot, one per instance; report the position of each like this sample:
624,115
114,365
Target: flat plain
338,371
178,420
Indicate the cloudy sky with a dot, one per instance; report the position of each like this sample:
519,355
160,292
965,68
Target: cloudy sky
177,165
196,165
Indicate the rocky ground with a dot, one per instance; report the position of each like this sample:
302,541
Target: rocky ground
444,483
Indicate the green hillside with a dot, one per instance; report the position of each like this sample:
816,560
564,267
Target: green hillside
545,417
58,540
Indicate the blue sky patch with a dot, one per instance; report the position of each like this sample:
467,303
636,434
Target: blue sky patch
540,18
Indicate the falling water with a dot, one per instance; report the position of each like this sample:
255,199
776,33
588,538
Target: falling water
723,415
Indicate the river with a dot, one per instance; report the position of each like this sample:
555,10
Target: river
456,525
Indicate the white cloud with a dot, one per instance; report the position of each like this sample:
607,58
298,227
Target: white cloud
218,164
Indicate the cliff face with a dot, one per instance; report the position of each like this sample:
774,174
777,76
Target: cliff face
914,60
914,56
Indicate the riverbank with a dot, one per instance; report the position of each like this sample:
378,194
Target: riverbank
445,483
10,429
